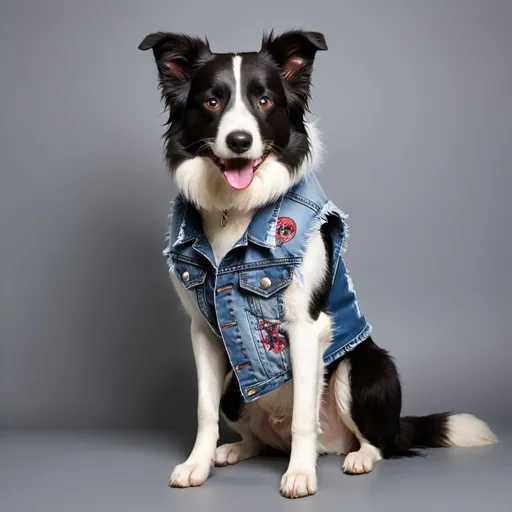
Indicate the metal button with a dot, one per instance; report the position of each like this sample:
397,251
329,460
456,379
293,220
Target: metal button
185,277
265,283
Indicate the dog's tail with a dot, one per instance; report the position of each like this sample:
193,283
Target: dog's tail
442,430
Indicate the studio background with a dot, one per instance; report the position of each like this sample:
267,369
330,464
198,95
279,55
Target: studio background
414,101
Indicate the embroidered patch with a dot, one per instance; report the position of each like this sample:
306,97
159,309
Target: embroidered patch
285,230
271,337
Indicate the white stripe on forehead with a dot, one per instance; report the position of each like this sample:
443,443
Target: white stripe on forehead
237,70
238,118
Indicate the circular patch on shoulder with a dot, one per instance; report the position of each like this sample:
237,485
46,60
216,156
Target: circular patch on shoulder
285,230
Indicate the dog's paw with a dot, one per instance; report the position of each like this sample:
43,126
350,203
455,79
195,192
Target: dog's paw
227,454
189,475
358,463
298,484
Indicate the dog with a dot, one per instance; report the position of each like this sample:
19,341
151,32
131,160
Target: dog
255,255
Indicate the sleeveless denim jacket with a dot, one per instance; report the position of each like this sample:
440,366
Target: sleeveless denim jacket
242,298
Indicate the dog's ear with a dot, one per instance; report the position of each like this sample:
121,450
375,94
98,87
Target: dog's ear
176,55
294,52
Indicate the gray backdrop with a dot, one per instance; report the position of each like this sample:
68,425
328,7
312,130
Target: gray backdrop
415,105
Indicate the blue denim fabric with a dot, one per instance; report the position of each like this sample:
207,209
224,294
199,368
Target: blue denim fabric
242,298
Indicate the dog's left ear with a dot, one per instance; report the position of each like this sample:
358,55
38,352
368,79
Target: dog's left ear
294,51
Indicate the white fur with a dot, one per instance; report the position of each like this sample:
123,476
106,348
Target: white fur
238,118
466,430
203,184
222,238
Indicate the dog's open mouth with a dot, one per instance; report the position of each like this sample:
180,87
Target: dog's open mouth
239,172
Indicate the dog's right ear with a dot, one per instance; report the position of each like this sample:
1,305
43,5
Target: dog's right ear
176,55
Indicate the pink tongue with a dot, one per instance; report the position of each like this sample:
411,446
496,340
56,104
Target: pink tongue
239,177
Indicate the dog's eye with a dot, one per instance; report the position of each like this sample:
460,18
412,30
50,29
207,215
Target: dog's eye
212,103
264,103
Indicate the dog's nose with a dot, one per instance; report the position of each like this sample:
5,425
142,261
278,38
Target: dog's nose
239,141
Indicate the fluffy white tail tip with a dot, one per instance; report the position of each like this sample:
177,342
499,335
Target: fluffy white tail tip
467,430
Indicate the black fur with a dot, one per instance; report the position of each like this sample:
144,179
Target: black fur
377,402
318,301
190,73
424,431
232,402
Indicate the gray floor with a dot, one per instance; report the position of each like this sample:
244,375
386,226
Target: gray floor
75,472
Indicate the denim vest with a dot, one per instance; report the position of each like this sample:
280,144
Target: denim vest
242,298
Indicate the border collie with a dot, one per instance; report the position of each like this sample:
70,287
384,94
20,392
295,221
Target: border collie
241,152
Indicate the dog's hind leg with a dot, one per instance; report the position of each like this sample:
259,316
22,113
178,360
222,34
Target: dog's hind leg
231,453
232,407
369,401
368,397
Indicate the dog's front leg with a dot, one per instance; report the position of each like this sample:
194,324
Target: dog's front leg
300,478
210,358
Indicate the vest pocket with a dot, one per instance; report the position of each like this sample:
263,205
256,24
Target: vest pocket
263,294
263,290
266,281
189,274
193,278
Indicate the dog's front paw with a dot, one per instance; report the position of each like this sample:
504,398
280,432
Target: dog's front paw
189,475
297,484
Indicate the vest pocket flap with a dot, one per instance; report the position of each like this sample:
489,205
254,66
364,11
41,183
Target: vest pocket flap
190,275
266,281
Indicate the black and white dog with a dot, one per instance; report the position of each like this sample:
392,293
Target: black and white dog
238,140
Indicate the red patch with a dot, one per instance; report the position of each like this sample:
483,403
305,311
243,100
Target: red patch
271,338
285,230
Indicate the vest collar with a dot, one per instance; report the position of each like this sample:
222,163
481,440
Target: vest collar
261,230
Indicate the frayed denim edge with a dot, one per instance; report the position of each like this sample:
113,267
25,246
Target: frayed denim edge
362,336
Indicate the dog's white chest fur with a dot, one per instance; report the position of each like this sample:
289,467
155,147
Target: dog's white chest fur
223,238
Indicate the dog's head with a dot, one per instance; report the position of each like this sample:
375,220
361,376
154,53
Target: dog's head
237,136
